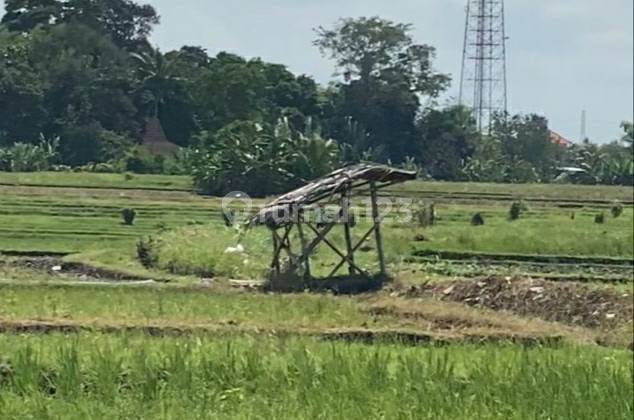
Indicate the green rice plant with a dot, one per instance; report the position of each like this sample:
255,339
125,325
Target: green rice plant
128,216
599,218
517,207
477,220
191,377
616,209
147,251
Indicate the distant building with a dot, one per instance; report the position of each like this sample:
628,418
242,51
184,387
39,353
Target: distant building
559,140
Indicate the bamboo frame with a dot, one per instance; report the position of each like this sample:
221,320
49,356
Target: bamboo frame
338,187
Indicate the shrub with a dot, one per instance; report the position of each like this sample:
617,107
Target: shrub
259,160
84,144
477,220
140,161
26,157
5,160
147,252
599,218
128,216
515,212
617,210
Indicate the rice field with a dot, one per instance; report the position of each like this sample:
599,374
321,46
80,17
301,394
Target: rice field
192,345
131,376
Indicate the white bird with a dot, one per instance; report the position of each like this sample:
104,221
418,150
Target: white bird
239,249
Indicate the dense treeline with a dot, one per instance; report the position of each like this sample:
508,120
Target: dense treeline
79,81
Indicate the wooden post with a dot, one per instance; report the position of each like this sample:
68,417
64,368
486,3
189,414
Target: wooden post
345,210
276,253
302,238
376,217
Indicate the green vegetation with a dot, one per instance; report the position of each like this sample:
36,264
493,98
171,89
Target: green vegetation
189,307
78,215
83,88
156,311
97,180
100,376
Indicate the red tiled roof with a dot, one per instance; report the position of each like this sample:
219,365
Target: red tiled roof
559,140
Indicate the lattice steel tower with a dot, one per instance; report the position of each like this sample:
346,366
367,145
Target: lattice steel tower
483,79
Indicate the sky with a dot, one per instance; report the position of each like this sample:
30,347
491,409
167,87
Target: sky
563,56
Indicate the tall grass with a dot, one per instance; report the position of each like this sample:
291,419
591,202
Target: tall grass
172,305
196,249
96,376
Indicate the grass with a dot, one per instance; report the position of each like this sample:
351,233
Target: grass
255,355
132,376
95,180
176,306
218,308
88,221
201,249
537,233
79,217
475,191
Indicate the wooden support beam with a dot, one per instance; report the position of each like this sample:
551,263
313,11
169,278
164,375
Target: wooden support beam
345,212
279,244
344,258
320,237
354,249
302,238
275,263
376,219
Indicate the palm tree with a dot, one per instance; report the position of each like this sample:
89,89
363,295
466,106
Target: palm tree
158,76
628,136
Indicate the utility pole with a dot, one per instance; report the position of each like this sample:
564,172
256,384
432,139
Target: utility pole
584,131
483,83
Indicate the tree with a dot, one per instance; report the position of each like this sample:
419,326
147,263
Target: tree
526,145
374,48
628,133
448,139
26,15
231,88
127,23
385,77
88,87
22,114
158,78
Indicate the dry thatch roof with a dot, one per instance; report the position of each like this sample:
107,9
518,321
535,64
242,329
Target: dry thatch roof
351,177
155,141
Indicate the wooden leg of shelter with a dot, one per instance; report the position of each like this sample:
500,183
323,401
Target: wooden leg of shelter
303,256
354,249
320,237
376,217
345,209
344,258
275,263
279,245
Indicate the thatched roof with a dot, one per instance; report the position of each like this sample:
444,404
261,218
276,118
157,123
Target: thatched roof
155,141
351,177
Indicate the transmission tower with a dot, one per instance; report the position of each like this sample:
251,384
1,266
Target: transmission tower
483,79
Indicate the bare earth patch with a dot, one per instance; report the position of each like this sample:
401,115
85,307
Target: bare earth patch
56,267
566,302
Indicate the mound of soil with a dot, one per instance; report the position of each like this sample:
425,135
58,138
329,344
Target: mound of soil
567,302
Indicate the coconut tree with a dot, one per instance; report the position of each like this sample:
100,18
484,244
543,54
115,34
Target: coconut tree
628,133
158,76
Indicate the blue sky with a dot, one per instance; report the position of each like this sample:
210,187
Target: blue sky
563,55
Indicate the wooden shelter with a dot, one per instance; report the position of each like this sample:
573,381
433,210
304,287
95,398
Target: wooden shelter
336,189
